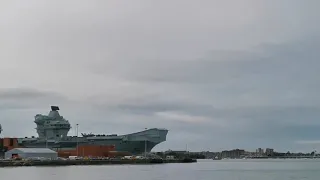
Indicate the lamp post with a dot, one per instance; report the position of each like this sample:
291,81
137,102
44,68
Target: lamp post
77,139
145,147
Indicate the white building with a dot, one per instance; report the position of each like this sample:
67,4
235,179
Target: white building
31,153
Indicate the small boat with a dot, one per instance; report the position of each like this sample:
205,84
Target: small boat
216,158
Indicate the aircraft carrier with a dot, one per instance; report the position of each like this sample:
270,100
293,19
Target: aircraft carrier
52,130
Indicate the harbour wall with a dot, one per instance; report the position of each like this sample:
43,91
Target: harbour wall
13,163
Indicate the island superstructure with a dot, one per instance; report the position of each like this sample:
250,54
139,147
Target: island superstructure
52,130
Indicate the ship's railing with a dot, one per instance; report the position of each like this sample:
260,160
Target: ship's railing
163,129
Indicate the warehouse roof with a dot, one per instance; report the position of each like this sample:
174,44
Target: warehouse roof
35,150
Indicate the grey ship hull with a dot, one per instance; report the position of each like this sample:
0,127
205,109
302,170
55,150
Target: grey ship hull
135,143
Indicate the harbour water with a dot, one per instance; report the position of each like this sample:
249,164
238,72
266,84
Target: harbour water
288,169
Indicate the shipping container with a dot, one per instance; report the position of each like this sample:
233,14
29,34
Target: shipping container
87,151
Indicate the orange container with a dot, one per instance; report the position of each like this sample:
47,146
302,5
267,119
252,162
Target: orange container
87,151
10,143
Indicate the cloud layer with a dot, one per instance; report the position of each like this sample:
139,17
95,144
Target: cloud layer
217,74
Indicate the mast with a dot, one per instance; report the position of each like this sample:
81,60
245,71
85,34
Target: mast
77,140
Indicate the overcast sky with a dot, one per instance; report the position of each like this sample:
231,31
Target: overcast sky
219,74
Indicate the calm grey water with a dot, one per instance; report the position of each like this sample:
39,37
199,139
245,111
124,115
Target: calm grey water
203,170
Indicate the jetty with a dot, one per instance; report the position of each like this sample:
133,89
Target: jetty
13,163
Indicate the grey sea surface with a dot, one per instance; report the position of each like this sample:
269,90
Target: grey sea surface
289,169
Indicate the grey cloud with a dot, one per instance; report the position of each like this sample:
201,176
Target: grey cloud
270,94
23,93
283,75
26,98
276,61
